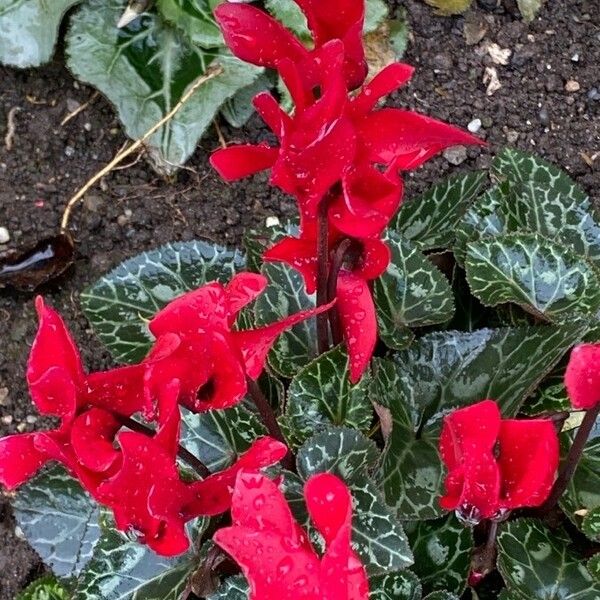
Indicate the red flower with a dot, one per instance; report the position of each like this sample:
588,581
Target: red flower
274,552
197,345
582,377
496,465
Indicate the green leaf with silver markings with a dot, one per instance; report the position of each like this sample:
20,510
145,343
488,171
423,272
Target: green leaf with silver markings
121,303
540,565
218,437
591,524
58,519
284,296
430,220
30,30
145,69
321,395
411,293
233,588
239,108
47,587
441,595
593,566
195,18
442,552
404,585
540,276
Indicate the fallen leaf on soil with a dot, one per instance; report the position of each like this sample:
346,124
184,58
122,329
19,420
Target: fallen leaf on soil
28,269
500,56
529,8
449,7
474,29
490,78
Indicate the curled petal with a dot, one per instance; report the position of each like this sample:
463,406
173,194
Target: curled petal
359,321
256,37
295,83
529,456
299,253
242,289
55,393
20,460
278,121
374,259
92,437
236,162
407,139
582,377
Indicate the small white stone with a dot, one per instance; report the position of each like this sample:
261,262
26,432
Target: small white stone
572,86
7,419
87,126
4,235
3,395
455,155
575,57
31,419
474,126
272,221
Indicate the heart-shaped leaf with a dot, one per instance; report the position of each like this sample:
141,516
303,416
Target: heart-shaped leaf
145,69
29,30
542,277
541,565
121,303
321,395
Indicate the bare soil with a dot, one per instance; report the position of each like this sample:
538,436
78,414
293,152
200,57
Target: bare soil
134,210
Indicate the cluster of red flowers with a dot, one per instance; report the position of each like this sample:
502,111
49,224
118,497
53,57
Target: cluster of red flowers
198,360
339,154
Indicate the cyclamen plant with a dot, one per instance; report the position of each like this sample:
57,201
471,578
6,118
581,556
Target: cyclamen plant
197,439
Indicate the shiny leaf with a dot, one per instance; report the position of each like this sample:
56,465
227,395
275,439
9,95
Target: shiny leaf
321,395
121,303
538,275
395,586
30,30
540,565
58,519
45,588
145,69
411,293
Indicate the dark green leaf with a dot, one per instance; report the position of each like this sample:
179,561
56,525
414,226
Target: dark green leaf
538,275
234,588
593,566
395,586
285,296
145,69
195,18
540,565
430,221
239,108
29,30
58,519
123,569
120,304
442,552
45,588
591,524
322,395
411,293
218,437
550,397
520,167
442,595
256,241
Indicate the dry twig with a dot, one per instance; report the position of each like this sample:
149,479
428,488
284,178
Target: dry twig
11,127
79,109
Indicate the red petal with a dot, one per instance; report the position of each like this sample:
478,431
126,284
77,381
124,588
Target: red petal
299,253
295,83
389,79
374,259
467,443
359,321
19,459
256,343
256,37
529,456
169,418
243,289
272,114
92,437
407,139
194,312
56,393
582,377
369,202
53,348
236,162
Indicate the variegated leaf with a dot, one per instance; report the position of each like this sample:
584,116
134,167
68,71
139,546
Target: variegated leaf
233,588
404,585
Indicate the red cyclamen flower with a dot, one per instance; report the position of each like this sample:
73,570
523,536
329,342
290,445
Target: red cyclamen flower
274,552
582,377
494,464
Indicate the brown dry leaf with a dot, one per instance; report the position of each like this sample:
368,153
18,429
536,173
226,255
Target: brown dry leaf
378,50
449,7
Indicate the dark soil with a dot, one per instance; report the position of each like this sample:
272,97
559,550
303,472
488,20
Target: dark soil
134,210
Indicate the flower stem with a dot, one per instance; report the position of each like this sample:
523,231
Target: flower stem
336,264
573,457
184,454
322,273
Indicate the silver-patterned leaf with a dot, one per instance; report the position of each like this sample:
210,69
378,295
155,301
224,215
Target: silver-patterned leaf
145,69
58,519
591,524
47,587
122,302
411,293
541,565
286,295
441,595
29,30
233,588
321,395
442,552
542,277
195,18
430,220
218,437
404,585
593,566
